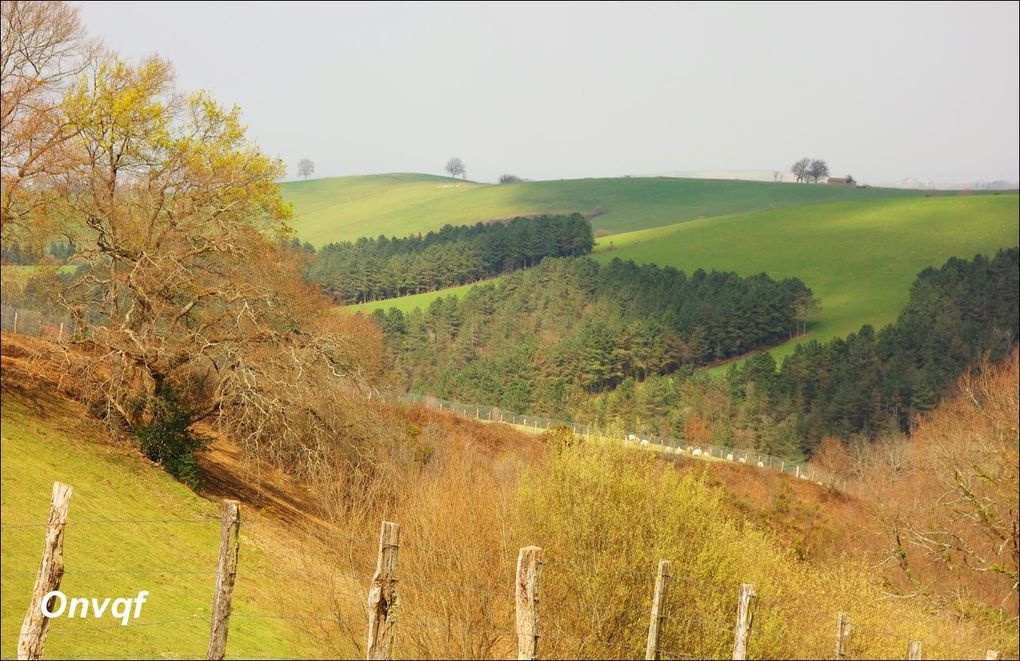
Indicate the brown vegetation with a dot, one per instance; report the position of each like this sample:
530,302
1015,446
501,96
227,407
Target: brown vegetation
949,500
42,49
469,494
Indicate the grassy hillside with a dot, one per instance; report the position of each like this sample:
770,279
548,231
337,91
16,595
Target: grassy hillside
175,562
859,257
343,208
412,301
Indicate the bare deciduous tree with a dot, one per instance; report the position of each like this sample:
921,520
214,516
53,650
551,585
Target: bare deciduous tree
185,284
818,169
42,47
800,169
455,167
305,168
951,500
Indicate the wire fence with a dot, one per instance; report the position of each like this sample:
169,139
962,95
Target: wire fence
32,322
454,610
55,327
665,444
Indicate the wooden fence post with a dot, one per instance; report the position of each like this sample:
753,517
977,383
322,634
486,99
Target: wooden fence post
745,618
529,563
658,615
32,638
842,635
914,650
15,321
226,574
382,596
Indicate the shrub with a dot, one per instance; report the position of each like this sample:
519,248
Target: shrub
168,438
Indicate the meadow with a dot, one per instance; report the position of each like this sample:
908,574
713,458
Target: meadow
345,208
858,257
408,303
117,543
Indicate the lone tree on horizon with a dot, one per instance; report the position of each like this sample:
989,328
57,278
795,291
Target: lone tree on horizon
818,170
455,167
305,167
800,169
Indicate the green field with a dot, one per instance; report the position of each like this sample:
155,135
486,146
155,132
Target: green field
860,258
174,561
345,208
408,303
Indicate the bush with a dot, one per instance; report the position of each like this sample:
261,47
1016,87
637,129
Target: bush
168,438
605,515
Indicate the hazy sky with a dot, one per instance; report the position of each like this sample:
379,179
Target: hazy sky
551,91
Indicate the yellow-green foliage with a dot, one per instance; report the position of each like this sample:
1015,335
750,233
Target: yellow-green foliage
604,517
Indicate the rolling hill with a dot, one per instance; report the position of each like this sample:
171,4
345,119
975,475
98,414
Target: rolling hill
131,527
345,208
860,257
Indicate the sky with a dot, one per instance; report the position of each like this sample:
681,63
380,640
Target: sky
884,92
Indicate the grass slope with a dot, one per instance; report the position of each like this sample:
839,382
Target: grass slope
860,258
412,301
42,445
345,208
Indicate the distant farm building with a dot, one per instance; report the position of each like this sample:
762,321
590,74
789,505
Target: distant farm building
842,181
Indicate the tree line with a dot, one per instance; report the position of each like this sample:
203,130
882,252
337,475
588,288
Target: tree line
875,382
810,169
544,339
371,269
858,388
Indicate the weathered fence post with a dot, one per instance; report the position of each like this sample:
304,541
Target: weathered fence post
529,562
842,635
745,618
382,596
226,574
15,321
658,616
32,638
914,650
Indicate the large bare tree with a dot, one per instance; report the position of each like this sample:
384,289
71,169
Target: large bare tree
818,169
186,285
800,169
305,167
455,167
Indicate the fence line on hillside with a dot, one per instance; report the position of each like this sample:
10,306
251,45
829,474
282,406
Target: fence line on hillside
32,322
664,444
528,613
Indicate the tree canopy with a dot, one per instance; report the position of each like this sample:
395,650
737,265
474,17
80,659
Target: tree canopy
370,269
543,339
